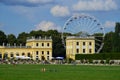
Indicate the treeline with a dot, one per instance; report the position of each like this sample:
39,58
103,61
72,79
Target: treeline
58,48
111,40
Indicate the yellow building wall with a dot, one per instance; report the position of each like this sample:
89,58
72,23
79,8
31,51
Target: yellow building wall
34,50
71,46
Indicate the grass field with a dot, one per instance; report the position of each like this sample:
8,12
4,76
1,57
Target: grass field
59,72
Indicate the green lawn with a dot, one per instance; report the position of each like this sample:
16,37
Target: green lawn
59,72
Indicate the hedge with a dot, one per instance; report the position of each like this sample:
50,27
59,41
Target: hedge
100,56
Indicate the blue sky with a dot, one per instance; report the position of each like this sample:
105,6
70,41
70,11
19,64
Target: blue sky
18,16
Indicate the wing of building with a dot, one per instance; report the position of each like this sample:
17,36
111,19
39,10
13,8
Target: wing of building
36,49
79,45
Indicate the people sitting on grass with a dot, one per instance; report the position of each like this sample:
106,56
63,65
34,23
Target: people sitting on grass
43,70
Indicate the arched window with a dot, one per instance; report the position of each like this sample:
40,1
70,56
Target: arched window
17,54
11,55
5,56
28,54
0,55
23,54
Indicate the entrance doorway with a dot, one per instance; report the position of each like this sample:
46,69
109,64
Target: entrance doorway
0,56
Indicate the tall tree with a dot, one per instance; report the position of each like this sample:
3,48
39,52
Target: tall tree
108,42
3,38
116,42
11,39
21,39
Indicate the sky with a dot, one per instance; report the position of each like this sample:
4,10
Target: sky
18,16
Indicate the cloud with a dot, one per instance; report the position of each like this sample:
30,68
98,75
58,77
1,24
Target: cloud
47,25
89,5
109,24
60,11
30,3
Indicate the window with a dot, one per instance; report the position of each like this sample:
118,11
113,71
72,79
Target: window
48,44
47,57
42,44
37,44
90,43
28,54
37,52
42,52
83,43
83,50
11,55
37,58
23,54
0,56
47,52
5,56
90,50
77,43
77,50
17,54
42,58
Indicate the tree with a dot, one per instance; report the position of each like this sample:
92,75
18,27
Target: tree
11,39
112,40
116,41
21,39
58,48
38,33
2,38
108,42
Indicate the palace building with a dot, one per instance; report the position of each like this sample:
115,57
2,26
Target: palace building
79,45
36,49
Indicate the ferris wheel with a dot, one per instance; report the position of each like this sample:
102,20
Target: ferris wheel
84,25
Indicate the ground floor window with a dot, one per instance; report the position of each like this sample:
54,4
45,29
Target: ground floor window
90,50
17,54
42,58
5,56
77,50
37,58
23,54
28,54
11,55
0,56
47,57
47,52
83,50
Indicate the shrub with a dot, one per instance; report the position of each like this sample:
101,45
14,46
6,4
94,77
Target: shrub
102,62
100,56
90,60
107,60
